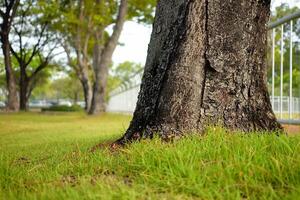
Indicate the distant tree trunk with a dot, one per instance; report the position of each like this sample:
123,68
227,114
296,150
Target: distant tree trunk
101,64
23,98
7,16
12,97
24,89
205,66
101,74
27,83
81,47
81,69
87,92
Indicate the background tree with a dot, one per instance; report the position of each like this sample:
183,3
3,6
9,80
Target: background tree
89,39
43,91
205,66
102,58
7,13
72,92
37,82
74,25
104,47
33,46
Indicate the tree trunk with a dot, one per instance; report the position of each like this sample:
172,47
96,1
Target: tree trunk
102,60
23,99
12,98
205,66
7,17
24,89
82,71
87,92
98,104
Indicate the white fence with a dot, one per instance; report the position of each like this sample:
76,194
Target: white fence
125,101
285,107
286,103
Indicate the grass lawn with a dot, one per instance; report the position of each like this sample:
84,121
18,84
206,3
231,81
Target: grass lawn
45,156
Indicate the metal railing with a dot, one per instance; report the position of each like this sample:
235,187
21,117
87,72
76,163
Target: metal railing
292,108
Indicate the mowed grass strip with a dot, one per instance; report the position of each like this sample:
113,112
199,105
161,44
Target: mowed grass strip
46,156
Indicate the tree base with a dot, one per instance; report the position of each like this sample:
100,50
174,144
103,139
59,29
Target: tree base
206,66
168,133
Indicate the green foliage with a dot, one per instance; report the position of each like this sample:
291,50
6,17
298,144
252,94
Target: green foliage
32,21
42,91
66,88
83,24
63,108
124,75
142,10
32,46
96,17
47,157
40,82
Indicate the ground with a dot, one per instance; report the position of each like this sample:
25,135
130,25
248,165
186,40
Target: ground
46,156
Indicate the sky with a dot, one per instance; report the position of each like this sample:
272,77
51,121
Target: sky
135,39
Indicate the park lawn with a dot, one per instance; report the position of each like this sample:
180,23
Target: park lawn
46,156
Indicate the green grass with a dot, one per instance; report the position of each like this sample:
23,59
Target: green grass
46,156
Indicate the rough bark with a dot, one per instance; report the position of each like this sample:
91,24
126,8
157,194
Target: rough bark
7,18
103,60
205,66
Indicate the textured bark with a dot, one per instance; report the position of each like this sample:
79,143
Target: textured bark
205,66
103,59
7,18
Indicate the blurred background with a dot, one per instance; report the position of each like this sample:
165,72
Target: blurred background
55,48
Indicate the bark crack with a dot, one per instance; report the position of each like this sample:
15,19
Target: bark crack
207,63
206,60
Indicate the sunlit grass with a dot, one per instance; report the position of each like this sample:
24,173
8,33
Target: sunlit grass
47,157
